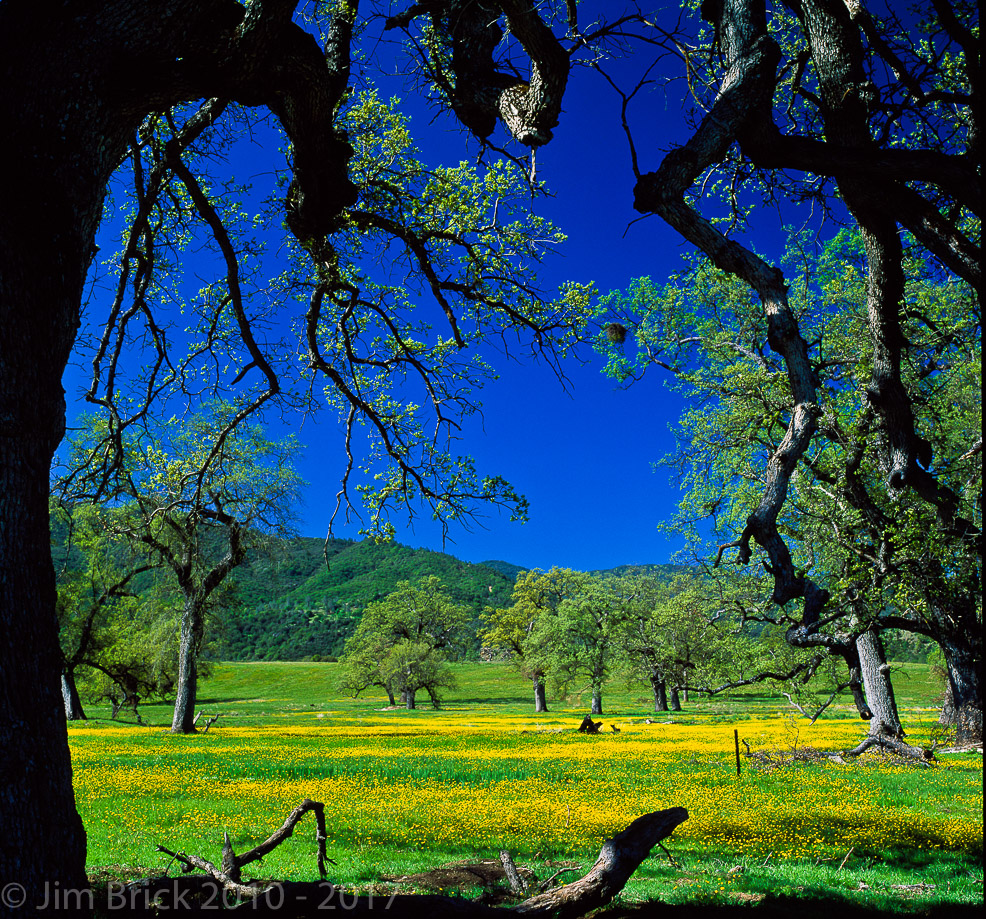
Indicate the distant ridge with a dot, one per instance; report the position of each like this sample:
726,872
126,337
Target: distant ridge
661,572
509,569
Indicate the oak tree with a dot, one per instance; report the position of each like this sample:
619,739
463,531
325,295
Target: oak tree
536,595
404,641
129,81
876,122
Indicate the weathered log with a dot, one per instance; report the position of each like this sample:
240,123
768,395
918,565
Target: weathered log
619,858
229,874
884,738
287,828
517,884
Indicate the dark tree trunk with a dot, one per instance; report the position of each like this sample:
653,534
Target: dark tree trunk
70,697
877,685
189,642
390,697
76,85
675,701
964,675
660,694
52,185
409,699
42,840
540,699
597,700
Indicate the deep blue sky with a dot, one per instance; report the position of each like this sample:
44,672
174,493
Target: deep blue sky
582,454
583,457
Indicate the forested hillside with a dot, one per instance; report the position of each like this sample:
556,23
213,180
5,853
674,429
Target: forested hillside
301,598
292,604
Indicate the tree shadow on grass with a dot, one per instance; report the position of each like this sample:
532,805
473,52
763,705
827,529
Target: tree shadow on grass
486,700
818,904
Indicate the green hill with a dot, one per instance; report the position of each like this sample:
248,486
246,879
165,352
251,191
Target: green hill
299,602
301,598
507,568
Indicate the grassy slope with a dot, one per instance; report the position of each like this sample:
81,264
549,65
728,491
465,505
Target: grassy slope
262,688
492,708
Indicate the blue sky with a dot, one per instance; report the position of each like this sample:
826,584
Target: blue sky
582,455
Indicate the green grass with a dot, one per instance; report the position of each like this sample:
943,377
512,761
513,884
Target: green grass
251,690
409,791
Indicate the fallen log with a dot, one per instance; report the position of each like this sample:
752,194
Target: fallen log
229,874
618,860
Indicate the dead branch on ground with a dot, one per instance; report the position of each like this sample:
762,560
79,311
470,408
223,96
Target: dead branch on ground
618,860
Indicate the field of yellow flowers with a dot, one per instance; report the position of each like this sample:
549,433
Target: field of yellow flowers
405,791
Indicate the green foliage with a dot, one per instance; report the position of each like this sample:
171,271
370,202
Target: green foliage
576,640
536,595
670,634
116,642
426,267
403,642
879,553
294,605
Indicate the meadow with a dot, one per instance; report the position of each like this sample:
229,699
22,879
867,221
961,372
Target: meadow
406,792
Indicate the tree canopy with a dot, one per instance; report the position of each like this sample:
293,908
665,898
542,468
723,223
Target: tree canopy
881,557
404,641
876,122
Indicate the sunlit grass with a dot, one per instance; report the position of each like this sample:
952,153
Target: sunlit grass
408,789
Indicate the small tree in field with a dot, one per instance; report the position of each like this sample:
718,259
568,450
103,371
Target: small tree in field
577,641
94,578
668,639
404,641
535,595
195,496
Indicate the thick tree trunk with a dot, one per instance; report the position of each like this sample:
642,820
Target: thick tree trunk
540,699
660,694
597,700
885,727
42,841
70,697
51,185
390,697
675,701
409,699
189,641
877,686
76,85
964,665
